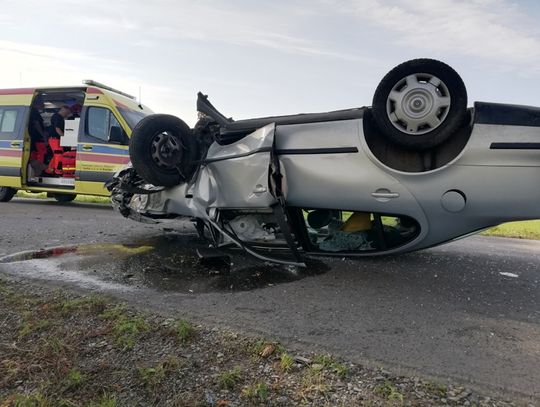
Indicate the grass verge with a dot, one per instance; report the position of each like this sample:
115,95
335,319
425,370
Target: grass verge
529,229
89,351
79,198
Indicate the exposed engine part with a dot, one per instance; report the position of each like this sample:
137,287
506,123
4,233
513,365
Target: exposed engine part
123,187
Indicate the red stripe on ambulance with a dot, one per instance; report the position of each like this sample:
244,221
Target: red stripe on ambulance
100,158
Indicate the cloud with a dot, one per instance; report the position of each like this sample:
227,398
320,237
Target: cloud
107,23
273,28
54,54
493,30
33,65
242,49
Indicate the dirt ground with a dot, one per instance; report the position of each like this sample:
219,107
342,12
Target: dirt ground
60,348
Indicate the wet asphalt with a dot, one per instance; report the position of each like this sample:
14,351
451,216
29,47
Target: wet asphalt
467,311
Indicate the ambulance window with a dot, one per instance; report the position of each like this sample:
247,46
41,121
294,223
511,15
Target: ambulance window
115,122
8,120
99,122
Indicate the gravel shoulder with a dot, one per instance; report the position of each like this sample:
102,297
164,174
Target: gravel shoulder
59,348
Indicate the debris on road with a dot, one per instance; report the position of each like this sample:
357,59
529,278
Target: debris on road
503,273
268,350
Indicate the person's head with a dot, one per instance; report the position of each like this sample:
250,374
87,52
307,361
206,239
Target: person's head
38,104
76,109
65,111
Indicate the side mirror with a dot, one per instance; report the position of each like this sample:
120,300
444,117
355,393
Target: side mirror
117,136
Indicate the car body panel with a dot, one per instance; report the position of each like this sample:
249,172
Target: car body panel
329,165
216,183
246,160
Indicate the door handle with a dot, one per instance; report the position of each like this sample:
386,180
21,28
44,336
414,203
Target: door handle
86,147
384,195
15,144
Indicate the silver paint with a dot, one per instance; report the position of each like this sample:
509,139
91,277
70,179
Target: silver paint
499,185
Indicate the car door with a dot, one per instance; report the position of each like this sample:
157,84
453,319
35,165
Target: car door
11,145
326,166
102,149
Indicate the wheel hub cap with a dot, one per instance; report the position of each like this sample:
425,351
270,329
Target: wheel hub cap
418,104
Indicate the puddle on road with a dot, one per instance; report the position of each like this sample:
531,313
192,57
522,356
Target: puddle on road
168,263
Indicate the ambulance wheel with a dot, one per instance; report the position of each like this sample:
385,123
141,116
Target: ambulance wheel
163,150
64,197
6,194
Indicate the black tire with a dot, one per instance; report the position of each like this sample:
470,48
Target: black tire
163,168
7,193
450,118
64,197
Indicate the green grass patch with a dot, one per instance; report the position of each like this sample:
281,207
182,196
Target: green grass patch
529,229
152,376
286,362
35,399
314,380
126,329
230,378
79,198
183,331
438,389
29,327
388,391
94,303
55,346
73,379
105,401
257,392
330,364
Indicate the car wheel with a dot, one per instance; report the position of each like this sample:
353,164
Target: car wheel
7,193
163,150
64,197
420,103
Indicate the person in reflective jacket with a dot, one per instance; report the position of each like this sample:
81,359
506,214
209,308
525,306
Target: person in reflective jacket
56,131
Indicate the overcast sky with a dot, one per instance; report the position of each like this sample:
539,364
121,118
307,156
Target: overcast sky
256,58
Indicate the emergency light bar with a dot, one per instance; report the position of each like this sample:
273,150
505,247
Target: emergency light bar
102,86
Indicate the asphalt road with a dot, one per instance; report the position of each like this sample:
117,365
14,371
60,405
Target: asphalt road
467,311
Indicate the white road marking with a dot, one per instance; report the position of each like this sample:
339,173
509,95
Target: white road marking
504,273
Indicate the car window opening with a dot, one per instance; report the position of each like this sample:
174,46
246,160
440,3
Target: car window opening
319,230
336,231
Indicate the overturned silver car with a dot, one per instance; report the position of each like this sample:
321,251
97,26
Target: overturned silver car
415,170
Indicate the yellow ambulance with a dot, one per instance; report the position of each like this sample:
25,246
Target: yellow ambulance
92,147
